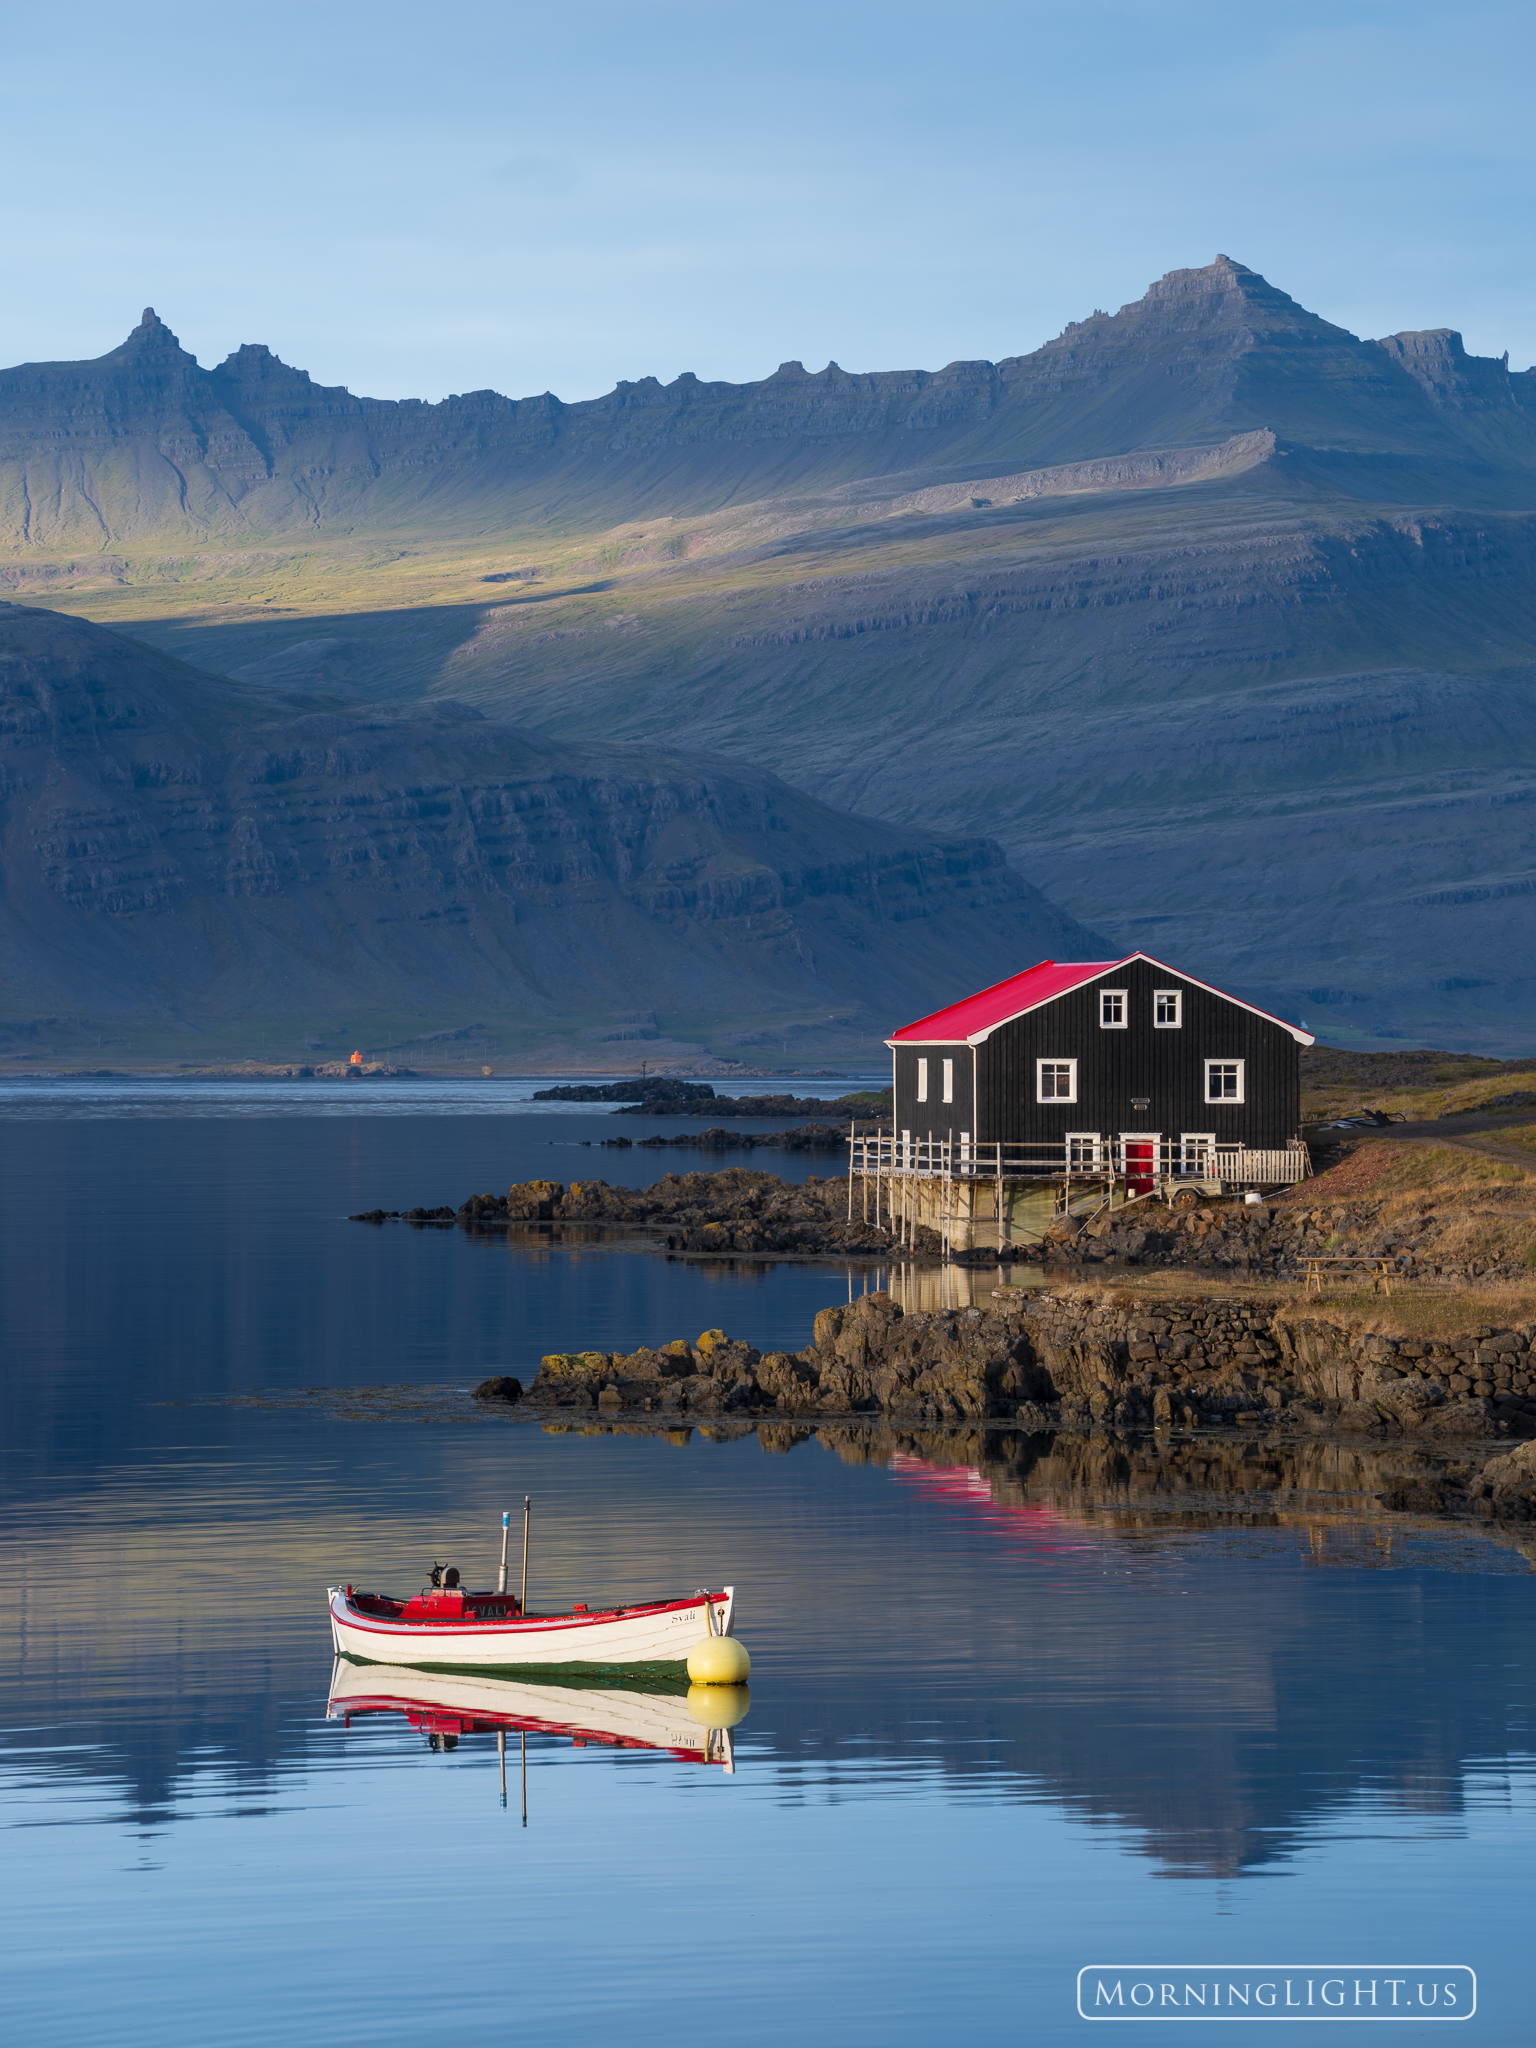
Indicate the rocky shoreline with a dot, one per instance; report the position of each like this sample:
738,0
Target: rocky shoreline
1478,1231
721,1138
1274,1240
666,1096
734,1210
1077,1362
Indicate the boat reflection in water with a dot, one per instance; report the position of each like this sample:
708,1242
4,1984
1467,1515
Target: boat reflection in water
694,1726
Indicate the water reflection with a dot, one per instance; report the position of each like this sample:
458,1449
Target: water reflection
687,1722
1001,1682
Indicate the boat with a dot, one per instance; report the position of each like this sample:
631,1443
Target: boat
447,1706
448,1628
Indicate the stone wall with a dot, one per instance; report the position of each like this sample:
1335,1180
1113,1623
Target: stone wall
1201,1359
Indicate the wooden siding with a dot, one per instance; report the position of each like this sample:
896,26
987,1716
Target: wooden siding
943,1119
1165,1066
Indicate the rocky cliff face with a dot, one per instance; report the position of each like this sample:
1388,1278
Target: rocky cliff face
144,443
174,843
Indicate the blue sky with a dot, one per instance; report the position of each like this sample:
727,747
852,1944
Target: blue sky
415,200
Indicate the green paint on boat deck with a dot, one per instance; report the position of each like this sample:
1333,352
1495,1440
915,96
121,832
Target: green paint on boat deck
667,1678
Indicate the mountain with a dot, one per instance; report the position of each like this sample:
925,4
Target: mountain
1220,619
183,856
144,444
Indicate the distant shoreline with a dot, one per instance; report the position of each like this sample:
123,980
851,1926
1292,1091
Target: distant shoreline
379,1072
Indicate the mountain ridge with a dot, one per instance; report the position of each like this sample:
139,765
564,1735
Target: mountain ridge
255,446
1208,587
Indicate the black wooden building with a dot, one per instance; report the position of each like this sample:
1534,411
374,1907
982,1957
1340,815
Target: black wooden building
1091,1060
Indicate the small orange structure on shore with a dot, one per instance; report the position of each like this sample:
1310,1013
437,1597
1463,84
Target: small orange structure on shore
356,1060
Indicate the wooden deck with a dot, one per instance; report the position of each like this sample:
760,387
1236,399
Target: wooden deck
955,1188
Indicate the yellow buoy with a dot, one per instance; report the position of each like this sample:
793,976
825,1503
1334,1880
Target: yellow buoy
717,1660
718,1706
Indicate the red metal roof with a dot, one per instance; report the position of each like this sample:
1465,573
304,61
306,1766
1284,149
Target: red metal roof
993,1006
979,1015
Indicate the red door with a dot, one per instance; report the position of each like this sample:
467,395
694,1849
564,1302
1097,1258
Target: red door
1140,1164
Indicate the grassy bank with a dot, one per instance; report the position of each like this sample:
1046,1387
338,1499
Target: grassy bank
1408,1311
1419,1086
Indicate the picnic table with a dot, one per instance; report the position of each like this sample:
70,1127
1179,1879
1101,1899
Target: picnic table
1315,1265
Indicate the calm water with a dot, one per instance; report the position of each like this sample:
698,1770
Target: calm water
993,1736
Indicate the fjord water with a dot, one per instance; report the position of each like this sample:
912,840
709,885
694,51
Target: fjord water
990,1740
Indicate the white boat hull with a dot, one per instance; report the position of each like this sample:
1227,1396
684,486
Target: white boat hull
627,1720
657,1632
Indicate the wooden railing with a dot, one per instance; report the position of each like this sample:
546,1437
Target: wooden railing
1274,1169
890,1155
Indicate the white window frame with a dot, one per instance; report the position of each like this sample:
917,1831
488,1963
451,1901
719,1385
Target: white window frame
949,1080
922,1080
1223,1101
1089,1147
1168,995
1123,997
1051,1101
1195,1150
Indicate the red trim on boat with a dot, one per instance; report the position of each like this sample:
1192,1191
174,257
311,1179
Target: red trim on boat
371,1625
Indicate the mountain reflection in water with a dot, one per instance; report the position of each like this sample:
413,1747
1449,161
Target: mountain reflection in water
1000,1683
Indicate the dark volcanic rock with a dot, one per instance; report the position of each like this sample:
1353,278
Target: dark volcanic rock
844,1108
721,1138
503,1387
1061,1361
735,1210
655,1090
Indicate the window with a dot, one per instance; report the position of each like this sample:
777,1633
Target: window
1224,1080
1167,1008
1056,1080
922,1080
1112,1003
949,1080
1084,1152
1195,1148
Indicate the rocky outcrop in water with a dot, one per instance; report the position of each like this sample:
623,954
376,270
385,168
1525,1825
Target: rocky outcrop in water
859,1364
721,1138
1064,1362
843,1108
1507,1485
735,1210
661,1095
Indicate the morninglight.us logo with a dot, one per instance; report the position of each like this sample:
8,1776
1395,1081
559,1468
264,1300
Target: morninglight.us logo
1413,1992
